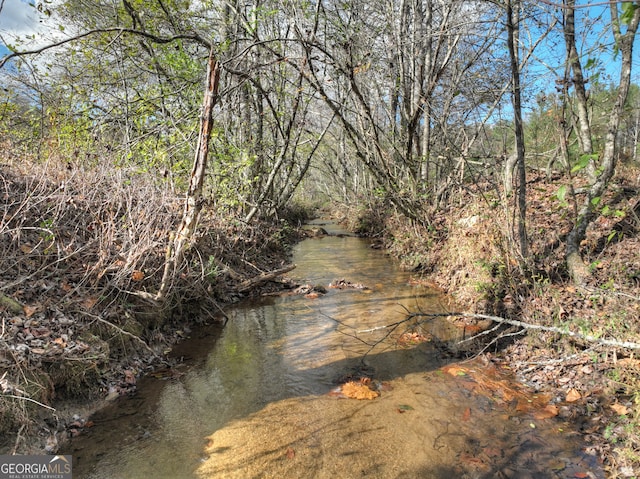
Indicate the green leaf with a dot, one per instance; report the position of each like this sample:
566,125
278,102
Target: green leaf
405,407
606,210
595,201
590,62
611,236
561,194
583,162
628,9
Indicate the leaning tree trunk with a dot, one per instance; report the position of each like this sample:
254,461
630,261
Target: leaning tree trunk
583,127
193,203
577,268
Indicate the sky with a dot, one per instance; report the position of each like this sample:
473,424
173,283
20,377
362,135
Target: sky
19,18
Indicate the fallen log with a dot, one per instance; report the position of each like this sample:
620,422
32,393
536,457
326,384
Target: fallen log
262,278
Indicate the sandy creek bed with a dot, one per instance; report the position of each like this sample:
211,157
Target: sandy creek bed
260,398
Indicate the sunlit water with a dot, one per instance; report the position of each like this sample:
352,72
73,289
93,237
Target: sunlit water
252,400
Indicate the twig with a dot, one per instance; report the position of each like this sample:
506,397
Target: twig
379,328
609,293
495,340
480,334
355,336
226,318
64,259
567,360
29,399
150,297
552,329
18,438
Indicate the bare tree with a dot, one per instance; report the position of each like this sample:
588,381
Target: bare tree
605,167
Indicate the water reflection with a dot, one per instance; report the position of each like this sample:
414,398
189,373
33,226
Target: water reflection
253,398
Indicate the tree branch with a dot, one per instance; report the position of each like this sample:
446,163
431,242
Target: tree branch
154,38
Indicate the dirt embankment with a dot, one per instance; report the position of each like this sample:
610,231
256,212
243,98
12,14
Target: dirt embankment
468,250
79,250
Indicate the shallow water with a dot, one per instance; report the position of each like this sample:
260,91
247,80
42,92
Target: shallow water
257,398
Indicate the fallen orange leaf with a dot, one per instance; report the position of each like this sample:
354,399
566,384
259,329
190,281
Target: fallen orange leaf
89,303
572,395
550,410
137,275
455,370
29,310
630,362
466,415
620,409
472,460
291,453
129,376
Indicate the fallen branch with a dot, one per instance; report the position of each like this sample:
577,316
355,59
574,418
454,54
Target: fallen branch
551,329
262,278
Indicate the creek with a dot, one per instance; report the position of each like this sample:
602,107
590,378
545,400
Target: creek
261,397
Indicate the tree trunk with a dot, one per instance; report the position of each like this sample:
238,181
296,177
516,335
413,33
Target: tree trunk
193,203
583,130
513,18
577,269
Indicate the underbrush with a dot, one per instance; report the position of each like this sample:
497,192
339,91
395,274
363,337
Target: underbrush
80,251
468,250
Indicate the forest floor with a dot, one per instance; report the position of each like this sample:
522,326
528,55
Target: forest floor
467,250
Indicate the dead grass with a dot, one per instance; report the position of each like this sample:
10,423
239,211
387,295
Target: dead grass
77,245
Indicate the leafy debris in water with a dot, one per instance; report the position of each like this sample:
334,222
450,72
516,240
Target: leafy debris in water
356,390
499,385
359,390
